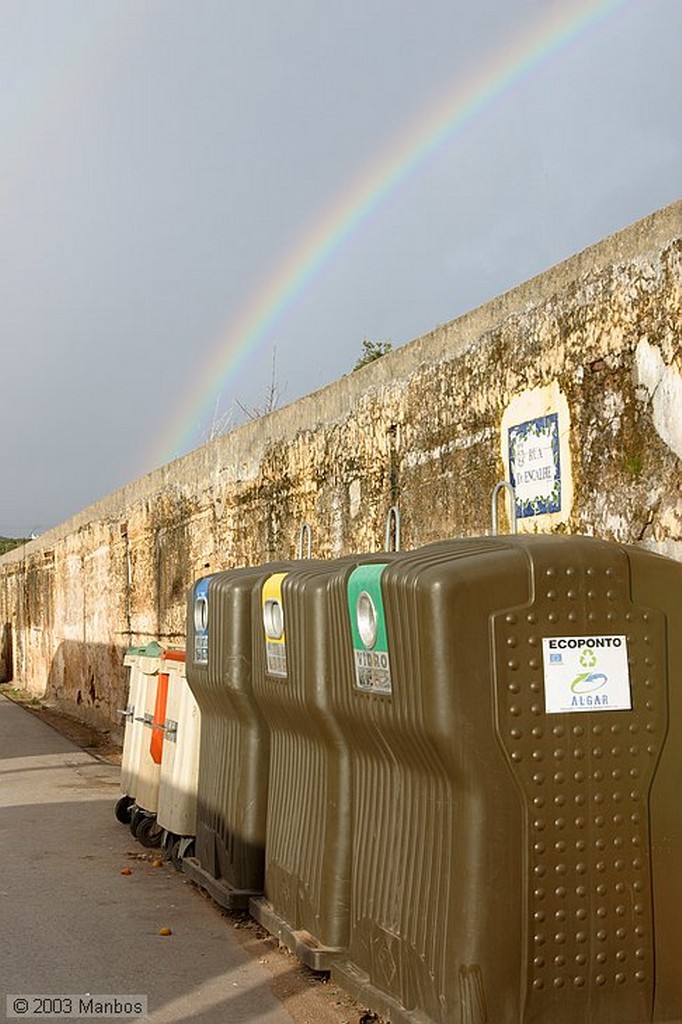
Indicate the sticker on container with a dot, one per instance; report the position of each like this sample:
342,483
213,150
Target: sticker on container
273,626
200,614
368,630
586,673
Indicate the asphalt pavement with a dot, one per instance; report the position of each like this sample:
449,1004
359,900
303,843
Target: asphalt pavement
72,924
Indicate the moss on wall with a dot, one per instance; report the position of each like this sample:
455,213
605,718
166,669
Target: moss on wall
421,428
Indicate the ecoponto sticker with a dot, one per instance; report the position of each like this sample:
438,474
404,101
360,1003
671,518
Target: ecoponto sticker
586,673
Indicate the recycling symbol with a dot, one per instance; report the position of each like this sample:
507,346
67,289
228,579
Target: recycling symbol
588,659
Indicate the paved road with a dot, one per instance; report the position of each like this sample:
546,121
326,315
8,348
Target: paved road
71,923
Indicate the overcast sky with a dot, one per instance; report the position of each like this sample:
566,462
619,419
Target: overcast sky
163,161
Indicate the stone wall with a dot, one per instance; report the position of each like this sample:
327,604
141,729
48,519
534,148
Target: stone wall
571,385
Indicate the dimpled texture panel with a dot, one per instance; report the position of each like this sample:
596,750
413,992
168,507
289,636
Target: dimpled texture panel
585,780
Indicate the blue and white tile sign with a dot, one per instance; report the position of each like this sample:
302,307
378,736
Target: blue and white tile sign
535,466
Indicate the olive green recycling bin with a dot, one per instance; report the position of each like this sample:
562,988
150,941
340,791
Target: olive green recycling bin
308,837
516,775
235,745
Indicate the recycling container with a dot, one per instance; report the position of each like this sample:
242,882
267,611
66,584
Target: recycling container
142,664
516,759
177,805
150,719
131,731
235,744
308,839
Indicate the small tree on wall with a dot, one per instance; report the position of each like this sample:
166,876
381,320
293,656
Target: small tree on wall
372,350
225,421
271,396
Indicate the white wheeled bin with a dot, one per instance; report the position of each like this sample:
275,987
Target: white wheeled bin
150,721
177,808
142,663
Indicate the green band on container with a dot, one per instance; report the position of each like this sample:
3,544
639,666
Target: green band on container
368,629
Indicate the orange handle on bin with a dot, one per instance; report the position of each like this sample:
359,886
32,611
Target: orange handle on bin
156,743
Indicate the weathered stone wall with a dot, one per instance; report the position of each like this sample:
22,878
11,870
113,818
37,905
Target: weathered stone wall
587,357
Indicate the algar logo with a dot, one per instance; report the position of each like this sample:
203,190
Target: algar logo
588,682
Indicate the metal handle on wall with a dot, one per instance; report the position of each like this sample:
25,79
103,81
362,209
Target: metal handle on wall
504,485
306,531
392,520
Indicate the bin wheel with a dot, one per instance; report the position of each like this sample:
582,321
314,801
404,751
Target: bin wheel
148,832
181,848
122,810
167,846
136,815
176,859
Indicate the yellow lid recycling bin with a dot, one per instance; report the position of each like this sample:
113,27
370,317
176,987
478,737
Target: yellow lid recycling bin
308,836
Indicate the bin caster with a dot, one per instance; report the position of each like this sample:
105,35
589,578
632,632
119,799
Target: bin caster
123,809
148,832
136,815
167,845
181,848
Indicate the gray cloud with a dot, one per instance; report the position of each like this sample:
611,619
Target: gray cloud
160,159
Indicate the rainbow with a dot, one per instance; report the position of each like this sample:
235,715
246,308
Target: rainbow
431,133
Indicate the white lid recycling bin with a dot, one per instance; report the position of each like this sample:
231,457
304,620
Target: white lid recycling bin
138,660
151,714
177,805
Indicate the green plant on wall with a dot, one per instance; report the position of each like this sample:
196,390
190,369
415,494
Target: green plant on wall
633,463
7,543
372,350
